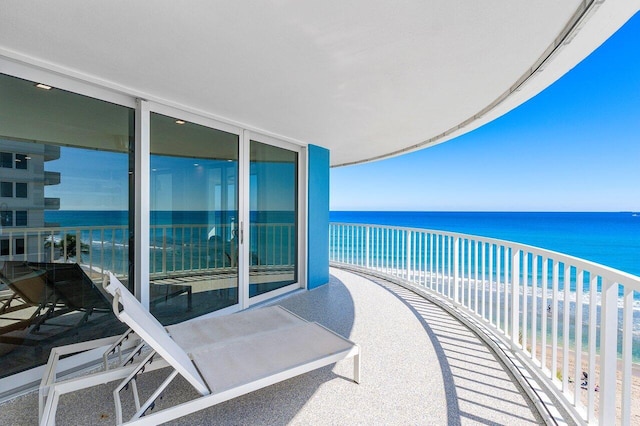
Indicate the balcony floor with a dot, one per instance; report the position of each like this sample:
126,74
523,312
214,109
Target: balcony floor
419,366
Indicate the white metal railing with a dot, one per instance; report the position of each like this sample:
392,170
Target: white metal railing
563,316
189,248
99,247
172,248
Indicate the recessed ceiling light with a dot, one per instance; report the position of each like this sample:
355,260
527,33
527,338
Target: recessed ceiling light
196,164
43,86
27,158
180,122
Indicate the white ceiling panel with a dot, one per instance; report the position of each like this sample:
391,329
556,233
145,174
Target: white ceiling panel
366,79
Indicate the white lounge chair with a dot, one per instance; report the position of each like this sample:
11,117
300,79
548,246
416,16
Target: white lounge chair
221,357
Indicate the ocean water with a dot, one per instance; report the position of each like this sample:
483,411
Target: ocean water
611,239
82,218
181,238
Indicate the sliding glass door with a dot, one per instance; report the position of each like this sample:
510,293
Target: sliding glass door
193,215
64,219
193,251
224,217
273,218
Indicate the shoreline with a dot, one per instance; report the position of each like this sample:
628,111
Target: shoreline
543,314
584,392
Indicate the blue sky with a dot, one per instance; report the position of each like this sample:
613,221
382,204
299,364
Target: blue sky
90,180
574,147
97,180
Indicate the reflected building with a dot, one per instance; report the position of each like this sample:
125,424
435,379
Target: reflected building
199,176
23,182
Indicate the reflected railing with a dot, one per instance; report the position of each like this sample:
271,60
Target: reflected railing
574,323
173,249
50,292
97,248
195,248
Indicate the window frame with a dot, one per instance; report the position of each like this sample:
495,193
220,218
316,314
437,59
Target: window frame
3,185
23,160
22,214
6,160
6,216
143,104
26,189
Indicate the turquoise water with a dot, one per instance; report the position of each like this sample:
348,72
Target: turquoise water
184,247
611,239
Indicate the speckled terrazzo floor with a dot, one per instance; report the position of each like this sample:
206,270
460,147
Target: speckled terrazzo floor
420,366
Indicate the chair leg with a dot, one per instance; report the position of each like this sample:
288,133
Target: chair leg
49,412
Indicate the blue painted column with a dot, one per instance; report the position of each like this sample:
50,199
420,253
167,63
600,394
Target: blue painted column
318,217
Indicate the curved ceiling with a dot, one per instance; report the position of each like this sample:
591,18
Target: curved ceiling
365,79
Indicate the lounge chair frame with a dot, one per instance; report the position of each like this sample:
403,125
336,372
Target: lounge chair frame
36,287
190,359
121,356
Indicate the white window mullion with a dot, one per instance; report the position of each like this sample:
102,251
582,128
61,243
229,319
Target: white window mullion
243,225
142,204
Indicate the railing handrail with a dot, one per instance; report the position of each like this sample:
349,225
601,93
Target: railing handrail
56,229
611,273
98,251
560,314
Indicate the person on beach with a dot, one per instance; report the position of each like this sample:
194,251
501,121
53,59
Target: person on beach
585,380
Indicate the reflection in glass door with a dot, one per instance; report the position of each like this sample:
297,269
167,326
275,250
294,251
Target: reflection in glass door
273,213
194,219
64,220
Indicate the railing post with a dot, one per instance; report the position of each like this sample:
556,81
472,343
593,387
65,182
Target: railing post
345,244
534,306
408,254
440,262
340,232
509,265
164,250
490,317
335,243
78,247
554,319
577,400
627,355
456,269
566,309
591,352
352,245
357,251
515,297
366,246
543,334
608,351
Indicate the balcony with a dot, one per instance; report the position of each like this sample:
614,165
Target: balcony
453,328
51,178
51,152
420,366
51,203
567,325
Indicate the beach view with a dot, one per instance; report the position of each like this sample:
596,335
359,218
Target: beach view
208,213
539,176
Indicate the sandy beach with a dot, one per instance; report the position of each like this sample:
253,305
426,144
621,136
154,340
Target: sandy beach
593,382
